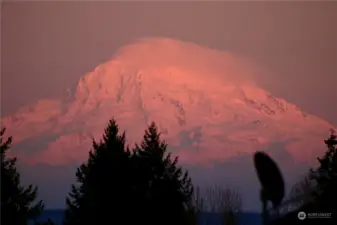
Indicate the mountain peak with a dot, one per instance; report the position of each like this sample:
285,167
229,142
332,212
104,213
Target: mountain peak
165,59
206,103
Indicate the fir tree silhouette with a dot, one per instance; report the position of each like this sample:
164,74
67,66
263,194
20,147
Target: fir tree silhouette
167,189
103,193
143,186
18,205
323,198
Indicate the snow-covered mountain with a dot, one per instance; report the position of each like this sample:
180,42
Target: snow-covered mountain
205,102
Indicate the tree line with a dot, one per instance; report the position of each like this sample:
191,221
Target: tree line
146,185
140,185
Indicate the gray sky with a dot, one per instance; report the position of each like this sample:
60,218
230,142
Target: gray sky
47,46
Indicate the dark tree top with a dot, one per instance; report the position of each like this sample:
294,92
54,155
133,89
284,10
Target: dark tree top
18,202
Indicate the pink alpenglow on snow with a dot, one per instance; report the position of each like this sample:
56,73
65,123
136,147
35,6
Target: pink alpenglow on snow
205,103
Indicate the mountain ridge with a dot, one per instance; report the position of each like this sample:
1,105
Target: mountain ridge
206,103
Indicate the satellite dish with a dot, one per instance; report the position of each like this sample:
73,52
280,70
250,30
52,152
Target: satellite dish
270,178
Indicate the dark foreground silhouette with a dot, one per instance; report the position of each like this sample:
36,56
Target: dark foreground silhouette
206,218
18,203
320,205
145,185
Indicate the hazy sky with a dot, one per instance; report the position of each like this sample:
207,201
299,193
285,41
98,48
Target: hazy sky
47,46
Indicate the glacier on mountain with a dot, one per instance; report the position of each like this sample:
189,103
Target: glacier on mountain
205,102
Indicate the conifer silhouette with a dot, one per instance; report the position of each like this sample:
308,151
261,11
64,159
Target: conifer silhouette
323,198
167,189
325,176
18,205
103,193
144,186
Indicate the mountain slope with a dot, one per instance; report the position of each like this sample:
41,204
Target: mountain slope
205,102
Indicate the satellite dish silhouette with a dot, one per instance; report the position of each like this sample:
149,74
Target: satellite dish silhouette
270,178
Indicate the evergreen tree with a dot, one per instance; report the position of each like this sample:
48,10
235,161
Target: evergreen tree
325,175
167,190
323,198
17,201
103,193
